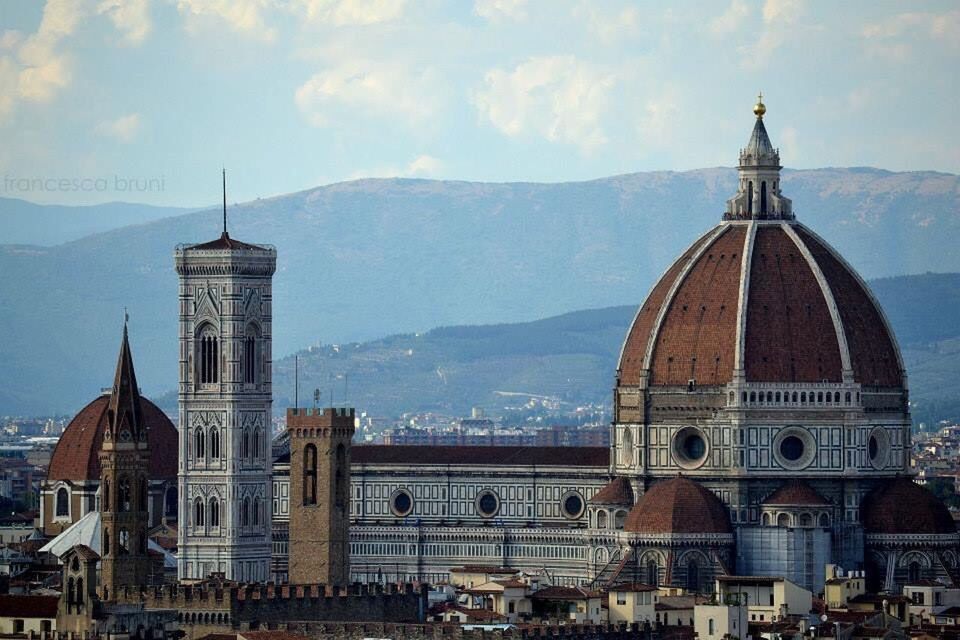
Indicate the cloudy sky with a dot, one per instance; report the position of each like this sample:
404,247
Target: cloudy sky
291,95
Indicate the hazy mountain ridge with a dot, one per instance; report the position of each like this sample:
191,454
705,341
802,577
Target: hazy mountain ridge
369,258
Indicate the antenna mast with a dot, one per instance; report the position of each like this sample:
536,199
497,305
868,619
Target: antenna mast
224,201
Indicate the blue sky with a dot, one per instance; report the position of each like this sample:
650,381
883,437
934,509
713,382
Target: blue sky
292,95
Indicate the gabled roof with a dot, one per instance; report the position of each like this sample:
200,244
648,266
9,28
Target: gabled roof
225,243
564,593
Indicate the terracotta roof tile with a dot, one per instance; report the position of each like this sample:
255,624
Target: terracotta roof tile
76,456
796,492
618,492
225,242
901,506
678,505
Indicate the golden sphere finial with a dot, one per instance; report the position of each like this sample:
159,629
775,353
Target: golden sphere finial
759,109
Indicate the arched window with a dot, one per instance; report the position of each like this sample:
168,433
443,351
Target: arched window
824,521
847,397
778,396
783,520
836,397
63,502
170,502
245,513
256,443
106,542
214,444
250,359
79,599
913,572
753,396
340,477
765,519
124,540
803,397
105,496
763,196
794,396
601,520
256,512
71,592
123,494
619,518
214,512
750,197
693,576
198,513
769,396
144,504
199,445
208,355
806,520
245,444
653,573
310,474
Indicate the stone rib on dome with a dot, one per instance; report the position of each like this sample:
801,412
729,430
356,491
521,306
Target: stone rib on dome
76,456
789,332
616,492
678,506
902,507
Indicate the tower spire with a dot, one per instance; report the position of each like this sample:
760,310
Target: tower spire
224,201
125,408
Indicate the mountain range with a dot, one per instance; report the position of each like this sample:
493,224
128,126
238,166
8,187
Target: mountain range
369,258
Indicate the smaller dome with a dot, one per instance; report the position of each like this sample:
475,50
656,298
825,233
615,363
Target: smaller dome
678,505
901,506
76,456
796,493
617,492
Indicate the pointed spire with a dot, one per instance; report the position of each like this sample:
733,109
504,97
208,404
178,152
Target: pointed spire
124,408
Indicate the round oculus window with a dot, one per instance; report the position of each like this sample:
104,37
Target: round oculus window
791,448
690,447
572,505
401,503
488,504
794,448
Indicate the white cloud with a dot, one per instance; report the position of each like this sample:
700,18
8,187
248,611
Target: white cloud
44,70
501,10
419,167
730,20
242,16
130,17
10,40
894,37
123,129
782,11
384,89
608,27
559,98
351,12
658,122
779,21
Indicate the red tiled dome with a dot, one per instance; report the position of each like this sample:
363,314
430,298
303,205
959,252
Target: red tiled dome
901,506
616,492
688,326
76,455
796,492
678,505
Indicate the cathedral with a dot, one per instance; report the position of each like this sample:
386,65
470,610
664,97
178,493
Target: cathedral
761,427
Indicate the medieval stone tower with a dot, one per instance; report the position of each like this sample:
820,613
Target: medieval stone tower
225,399
124,461
320,495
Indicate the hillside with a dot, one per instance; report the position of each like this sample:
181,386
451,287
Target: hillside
364,259
573,357
51,224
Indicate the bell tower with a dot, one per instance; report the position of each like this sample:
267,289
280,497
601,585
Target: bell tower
124,485
225,300
320,495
